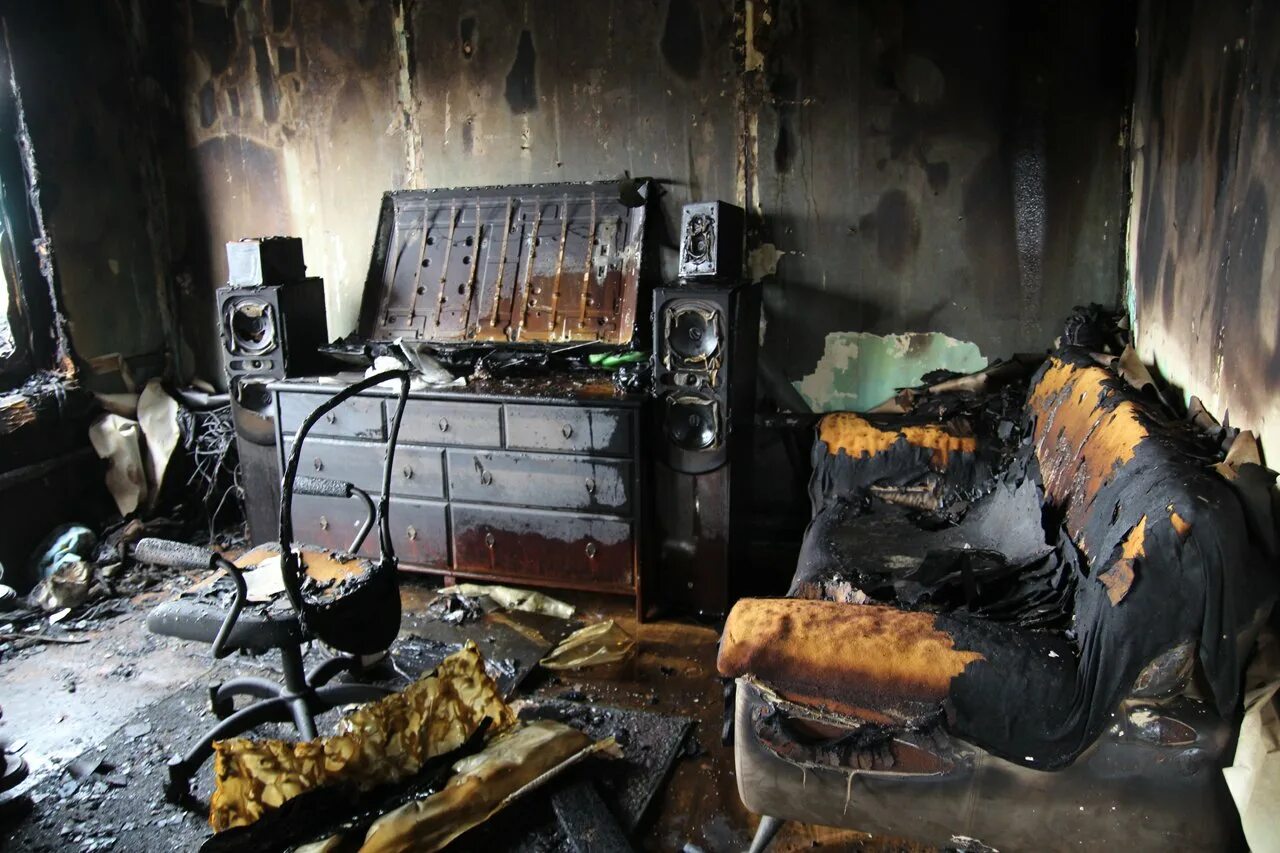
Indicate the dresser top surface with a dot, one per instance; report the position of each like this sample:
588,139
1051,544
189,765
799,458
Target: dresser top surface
563,389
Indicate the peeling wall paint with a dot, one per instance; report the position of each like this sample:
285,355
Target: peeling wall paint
859,370
1204,234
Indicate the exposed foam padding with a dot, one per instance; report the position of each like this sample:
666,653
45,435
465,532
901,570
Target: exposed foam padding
870,662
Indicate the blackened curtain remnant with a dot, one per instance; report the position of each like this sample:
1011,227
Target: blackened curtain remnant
1103,539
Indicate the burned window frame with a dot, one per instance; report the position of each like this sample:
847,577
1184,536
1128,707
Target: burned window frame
36,326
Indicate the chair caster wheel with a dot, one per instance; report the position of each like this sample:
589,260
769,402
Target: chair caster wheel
177,790
221,708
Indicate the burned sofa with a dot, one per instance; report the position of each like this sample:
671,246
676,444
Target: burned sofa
1017,629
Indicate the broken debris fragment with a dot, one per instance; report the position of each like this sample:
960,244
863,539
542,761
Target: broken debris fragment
592,646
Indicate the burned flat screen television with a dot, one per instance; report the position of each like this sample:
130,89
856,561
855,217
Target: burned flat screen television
545,265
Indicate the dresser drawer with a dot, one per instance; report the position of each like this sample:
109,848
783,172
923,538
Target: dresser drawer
547,547
416,472
419,532
540,480
570,429
446,422
359,417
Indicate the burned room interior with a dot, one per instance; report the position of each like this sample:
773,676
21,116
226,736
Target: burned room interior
663,425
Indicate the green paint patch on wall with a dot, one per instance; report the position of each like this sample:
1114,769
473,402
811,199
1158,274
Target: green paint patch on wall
859,370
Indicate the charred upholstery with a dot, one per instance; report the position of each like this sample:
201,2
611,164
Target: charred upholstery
1053,573
872,662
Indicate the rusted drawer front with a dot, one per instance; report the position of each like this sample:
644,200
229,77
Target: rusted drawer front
446,422
540,480
359,417
569,429
419,532
550,547
416,472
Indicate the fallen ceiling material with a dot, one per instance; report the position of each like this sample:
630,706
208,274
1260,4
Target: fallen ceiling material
511,765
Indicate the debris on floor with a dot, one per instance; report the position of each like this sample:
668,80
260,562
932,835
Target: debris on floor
379,743
512,764
597,645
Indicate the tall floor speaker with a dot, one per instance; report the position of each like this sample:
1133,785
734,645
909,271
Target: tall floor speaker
705,342
271,321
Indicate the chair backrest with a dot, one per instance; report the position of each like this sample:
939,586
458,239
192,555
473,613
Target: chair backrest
365,618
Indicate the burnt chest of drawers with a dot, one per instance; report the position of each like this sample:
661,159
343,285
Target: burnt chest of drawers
529,488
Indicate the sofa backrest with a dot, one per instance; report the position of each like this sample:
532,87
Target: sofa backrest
854,452
1167,554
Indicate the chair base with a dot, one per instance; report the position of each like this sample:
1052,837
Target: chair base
302,697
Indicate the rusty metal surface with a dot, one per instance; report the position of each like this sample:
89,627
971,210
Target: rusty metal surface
1204,233
551,263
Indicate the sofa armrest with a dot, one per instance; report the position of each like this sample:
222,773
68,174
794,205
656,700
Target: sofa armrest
870,662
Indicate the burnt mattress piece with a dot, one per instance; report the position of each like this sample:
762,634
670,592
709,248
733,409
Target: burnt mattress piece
1106,541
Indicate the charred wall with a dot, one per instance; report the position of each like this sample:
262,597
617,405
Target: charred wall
934,168
900,177
93,111
1203,245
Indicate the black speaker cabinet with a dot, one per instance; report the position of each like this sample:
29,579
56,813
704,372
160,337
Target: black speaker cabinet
272,330
259,475
711,242
705,342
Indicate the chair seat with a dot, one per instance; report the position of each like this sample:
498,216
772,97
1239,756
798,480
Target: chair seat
257,629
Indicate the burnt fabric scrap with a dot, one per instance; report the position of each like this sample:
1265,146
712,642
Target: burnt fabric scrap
378,743
1087,541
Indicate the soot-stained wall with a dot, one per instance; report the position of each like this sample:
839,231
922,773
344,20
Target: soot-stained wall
1204,235
908,167
93,112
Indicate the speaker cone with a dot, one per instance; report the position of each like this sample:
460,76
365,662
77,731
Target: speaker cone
700,239
693,334
252,326
692,423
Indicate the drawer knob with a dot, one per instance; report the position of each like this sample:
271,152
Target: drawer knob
317,463
489,540
591,486
407,471
411,532
485,478
444,424
567,430
330,417
324,523
591,550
